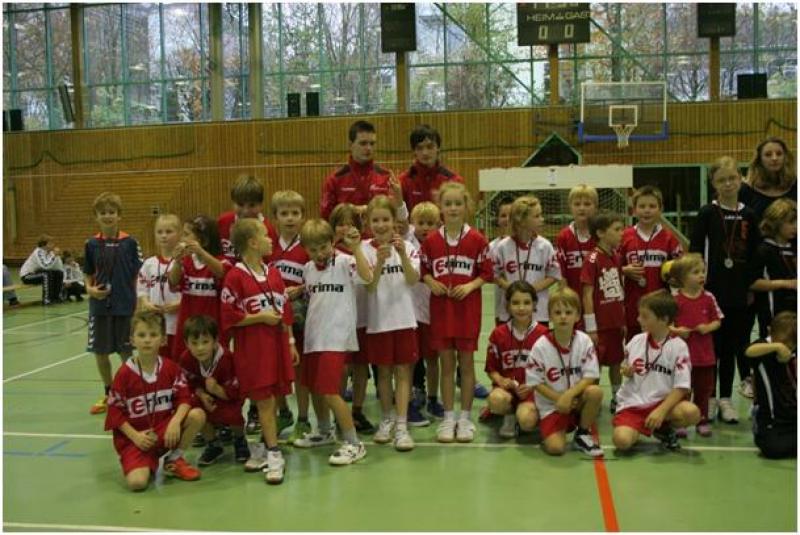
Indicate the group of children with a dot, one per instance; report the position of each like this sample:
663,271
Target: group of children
310,300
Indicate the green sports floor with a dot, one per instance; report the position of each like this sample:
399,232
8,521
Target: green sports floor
60,471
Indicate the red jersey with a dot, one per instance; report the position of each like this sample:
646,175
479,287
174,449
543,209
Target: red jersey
221,369
144,400
420,182
355,183
571,252
290,260
261,352
508,351
455,262
604,273
692,311
225,223
652,251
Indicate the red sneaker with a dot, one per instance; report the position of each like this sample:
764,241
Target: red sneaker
99,407
181,469
485,415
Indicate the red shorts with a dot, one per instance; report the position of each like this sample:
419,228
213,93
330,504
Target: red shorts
555,422
322,372
226,413
469,345
132,457
634,417
610,347
393,347
424,342
266,392
362,355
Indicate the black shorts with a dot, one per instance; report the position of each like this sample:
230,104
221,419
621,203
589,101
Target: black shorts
109,334
776,441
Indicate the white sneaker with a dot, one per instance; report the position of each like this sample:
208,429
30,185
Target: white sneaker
258,458
465,431
315,439
403,440
273,472
384,433
348,454
447,431
727,413
746,388
712,409
509,427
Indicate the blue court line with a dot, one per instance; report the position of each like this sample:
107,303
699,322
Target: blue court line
52,451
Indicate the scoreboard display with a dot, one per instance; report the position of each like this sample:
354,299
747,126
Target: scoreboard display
716,20
552,23
398,28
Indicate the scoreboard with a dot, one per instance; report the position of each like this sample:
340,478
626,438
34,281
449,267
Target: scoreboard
552,23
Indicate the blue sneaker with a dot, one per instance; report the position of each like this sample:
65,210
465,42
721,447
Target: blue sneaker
480,391
415,416
347,395
435,409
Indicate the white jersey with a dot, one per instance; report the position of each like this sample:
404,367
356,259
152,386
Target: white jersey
531,262
73,274
560,368
152,283
499,293
420,292
657,370
391,306
331,316
41,260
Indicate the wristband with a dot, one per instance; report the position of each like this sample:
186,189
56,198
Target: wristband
590,323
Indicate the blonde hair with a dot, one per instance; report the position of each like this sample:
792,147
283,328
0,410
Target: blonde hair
426,209
648,191
682,266
784,325
107,200
170,218
242,232
724,162
521,209
381,202
247,189
287,198
583,191
150,318
564,296
779,212
315,232
343,212
460,188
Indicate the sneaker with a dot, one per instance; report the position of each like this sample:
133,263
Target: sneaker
465,431
480,391
13,302
225,434
301,428
713,406
746,388
435,409
273,472
403,440
612,406
78,298
315,440
704,429
384,433
241,451
585,442
681,432
285,420
415,416
347,395
181,469
258,458
348,454
210,455
727,413
419,396
509,427
198,441
669,439
362,424
100,406
447,431
253,426
485,415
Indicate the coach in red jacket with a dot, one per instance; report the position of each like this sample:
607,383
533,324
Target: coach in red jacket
422,180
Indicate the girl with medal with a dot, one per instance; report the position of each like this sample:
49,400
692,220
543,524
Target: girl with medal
506,359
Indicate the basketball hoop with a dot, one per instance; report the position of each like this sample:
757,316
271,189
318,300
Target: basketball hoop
623,132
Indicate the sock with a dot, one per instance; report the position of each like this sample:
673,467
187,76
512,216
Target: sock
324,427
350,436
402,422
509,419
466,415
449,415
177,453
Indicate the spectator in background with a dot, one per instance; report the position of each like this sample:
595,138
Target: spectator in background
9,295
772,175
44,267
73,278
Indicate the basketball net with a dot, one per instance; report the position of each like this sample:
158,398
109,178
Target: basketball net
623,132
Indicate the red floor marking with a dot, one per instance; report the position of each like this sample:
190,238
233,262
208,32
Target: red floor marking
604,490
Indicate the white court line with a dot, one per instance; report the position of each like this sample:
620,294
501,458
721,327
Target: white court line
41,322
422,444
77,527
43,368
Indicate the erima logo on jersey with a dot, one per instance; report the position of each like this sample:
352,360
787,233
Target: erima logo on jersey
389,270
651,259
152,402
640,367
325,288
514,359
511,267
291,271
201,286
555,374
459,265
256,303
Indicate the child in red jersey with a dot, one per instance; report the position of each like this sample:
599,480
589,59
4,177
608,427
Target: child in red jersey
658,370
149,409
247,195
575,241
256,310
153,288
210,372
197,273
603,298
564,372
455,266
507,355
698,316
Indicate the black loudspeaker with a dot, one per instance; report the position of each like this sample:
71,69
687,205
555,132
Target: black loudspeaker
751,85
66,103
312,104
293,104
12,121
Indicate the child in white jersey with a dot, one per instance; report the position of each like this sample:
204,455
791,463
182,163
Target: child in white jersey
564,372
501,231
658,371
